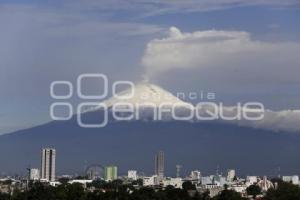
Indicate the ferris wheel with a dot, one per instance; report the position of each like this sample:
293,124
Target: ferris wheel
95,171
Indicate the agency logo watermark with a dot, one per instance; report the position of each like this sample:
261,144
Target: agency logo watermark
138,102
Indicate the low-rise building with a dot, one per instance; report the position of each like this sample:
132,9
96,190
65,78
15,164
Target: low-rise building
240,188
149,181
175,182
291,179
132,174
206,180
34,174
251,180
195,175
83,182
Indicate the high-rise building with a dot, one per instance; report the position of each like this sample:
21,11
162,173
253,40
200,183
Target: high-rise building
111,173
230,175
160,165
48,164
132,174
34,174
195,175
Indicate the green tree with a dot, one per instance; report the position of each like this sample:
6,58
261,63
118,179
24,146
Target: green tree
144,193
284,191
4,196
63,180
202,196
97,184
61,192
75,191
253,190
188,185
174,193
228,195
138,182
39,191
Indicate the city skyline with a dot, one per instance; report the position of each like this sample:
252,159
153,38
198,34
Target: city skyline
212,185
47,170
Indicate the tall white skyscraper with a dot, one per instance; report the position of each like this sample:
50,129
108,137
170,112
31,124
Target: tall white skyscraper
160,165
48,164
230,175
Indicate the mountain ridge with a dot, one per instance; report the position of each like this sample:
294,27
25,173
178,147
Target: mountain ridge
133,144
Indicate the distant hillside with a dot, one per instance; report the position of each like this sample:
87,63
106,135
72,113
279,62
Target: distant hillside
132,145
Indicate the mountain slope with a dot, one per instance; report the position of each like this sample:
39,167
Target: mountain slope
132,144
145,93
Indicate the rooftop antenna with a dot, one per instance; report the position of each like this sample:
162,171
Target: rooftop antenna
28,169
27,180
85,167
178,168
217,171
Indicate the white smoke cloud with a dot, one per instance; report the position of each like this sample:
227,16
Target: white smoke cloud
285,120
223,51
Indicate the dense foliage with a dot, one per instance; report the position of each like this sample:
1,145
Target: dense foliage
254,190
284,191
100,190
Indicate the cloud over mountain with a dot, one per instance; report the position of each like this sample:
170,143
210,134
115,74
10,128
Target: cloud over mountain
284,120
235,57
225,52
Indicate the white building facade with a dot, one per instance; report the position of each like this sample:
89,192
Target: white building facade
149,181
175,182
132,174
34,174
291,179
230,175
195,175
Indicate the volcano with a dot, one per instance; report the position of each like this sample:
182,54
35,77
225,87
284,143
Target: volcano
144,101
145,93
132,144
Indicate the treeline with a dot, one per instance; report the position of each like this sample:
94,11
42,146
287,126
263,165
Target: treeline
116,190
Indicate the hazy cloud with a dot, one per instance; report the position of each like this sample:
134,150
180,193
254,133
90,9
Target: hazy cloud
223,52
227,52
285,120
157,7
43,44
